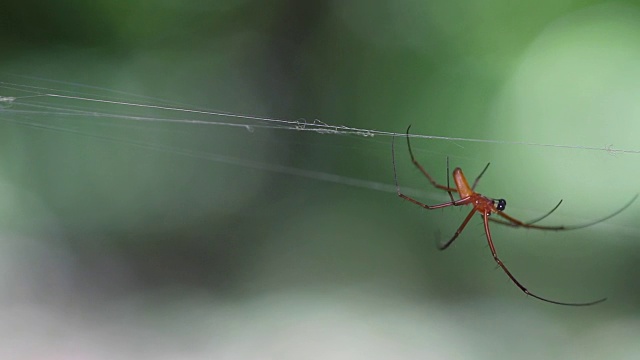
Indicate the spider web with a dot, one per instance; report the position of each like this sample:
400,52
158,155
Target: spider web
265,143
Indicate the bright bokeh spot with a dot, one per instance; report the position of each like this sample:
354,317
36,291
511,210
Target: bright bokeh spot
578,84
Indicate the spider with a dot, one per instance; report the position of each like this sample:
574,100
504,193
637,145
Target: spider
485,206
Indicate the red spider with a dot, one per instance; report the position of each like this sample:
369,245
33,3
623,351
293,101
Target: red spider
485,206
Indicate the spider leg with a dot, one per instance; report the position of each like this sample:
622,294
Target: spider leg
453,202
460,228
475,182
531,222
448,177
485,218
517,223
462,201
545,215
415,162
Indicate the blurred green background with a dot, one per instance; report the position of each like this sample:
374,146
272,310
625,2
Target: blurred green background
129,239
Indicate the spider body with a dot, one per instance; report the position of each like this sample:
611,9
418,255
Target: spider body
481,203
486,206
462,185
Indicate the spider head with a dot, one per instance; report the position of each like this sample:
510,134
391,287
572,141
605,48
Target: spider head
502,204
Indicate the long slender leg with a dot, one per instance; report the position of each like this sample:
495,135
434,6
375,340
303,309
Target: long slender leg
485,217
475,182
460,228
513,222
424,172
531,222
448,177
517,223
400,194
462,201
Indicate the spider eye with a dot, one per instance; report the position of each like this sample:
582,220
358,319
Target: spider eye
502,204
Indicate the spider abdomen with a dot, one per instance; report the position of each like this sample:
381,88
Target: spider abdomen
461,183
